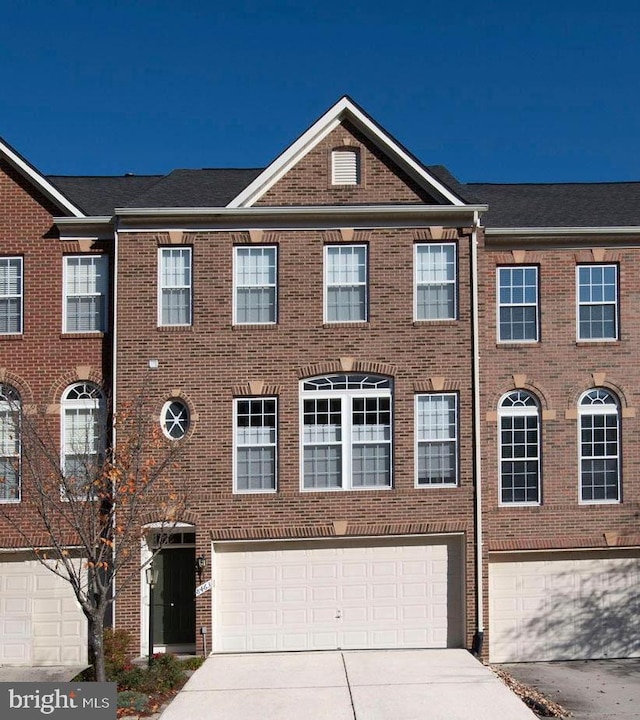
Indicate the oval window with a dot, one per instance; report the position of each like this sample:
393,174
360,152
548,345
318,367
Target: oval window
175,419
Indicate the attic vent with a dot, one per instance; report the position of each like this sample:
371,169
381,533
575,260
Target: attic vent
345,167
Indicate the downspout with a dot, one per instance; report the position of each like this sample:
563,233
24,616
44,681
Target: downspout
478,638
114,363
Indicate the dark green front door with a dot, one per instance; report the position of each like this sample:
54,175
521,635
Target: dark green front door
174,605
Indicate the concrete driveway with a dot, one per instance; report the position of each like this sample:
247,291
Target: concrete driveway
588,689
346,685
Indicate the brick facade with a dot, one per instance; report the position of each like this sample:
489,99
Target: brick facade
212,361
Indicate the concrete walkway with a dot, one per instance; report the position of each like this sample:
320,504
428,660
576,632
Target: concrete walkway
346,685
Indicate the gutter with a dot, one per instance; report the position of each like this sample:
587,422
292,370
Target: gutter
550,234
477,455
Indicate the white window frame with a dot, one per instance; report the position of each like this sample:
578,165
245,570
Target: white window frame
608,303
101,292
417,248
237,444
93,400
440,437
594,410
7,261
345,167
11,413
161,287
181,421
521,410
347,441
364,283
268,286
523,304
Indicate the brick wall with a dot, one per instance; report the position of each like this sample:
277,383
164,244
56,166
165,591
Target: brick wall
212,361
41,361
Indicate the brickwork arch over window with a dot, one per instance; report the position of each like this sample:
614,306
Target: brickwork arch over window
519,443
83,436
10,450
599,446
346,431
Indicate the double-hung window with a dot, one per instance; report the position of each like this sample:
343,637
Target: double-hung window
518,304
435,281
85,293
597,290
436,439
345,270
174,286
599,416
346,432
83,440
255,444
519,428
255,275
10,416
10,295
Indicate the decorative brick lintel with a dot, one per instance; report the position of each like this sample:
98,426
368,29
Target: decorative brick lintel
597,542
327,530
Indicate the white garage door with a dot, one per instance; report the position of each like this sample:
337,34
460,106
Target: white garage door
564,606
338,594
40,621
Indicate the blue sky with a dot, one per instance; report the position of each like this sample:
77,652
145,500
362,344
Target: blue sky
498,91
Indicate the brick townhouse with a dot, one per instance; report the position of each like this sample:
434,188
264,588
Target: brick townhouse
380,373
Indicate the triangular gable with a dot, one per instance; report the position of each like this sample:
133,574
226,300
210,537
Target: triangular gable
38,180
344,110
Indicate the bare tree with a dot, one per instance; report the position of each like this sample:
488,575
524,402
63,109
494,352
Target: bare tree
85,501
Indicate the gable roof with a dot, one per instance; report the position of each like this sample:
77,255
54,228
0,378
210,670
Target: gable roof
37,180
344,109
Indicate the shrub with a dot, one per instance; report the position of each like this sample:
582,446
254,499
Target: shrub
133,700
193,663
166,673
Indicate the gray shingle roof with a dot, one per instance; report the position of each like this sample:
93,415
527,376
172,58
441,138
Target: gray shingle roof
196,188
560,204
521,205
100,195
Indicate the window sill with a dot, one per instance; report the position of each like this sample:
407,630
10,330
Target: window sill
175,328
519,344
438,322
348,324
254,326
520,505
435,486
82,335
370,488
11,336
597,343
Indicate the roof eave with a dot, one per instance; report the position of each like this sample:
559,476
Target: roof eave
274,217
29,172
556,235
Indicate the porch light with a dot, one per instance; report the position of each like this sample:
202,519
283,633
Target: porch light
201,564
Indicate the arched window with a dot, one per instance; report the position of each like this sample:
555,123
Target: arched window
599,414
519,428
83,438
346,432
10,417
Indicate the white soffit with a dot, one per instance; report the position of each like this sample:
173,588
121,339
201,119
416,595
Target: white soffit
29,172
343,109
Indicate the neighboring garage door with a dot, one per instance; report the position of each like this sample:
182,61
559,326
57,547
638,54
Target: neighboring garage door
394,593
40,621
564,606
